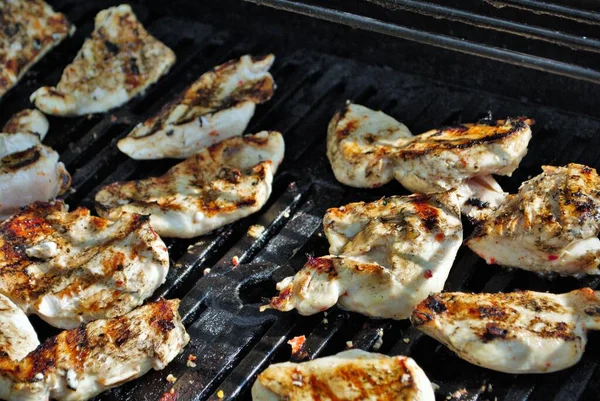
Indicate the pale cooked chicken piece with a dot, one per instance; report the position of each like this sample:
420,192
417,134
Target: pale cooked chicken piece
217,186
17,336
81,363
30,121
390,255
350,375
30,29
360,146
519,332
70,268
443,159
368,149
29,172
120,60
550,225
217,106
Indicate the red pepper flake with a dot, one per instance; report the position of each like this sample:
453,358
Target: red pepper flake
235,260
297,343
170,396
345,294
552,257
440,237
548,364
240,82
492,261
119,283
213,133
428,274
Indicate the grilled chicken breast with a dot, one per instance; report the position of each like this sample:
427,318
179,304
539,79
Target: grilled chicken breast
81,363
368,149
217,186
550,225
389,256
443,159
17,336
349,375
217,106
519,332
70,268
361,145
30,121
29,172
30,29
120,60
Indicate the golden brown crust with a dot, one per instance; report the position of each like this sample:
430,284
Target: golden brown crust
71,349
463,136
498,310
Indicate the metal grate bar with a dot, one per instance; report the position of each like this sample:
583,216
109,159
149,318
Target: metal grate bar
481,21
556,10
438,40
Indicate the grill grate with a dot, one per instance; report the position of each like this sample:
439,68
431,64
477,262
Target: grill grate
530,31
230,338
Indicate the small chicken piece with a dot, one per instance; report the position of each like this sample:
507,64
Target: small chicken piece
29,172
30,29
550,226
70,268
120,60
217,186
390,255
361,144
81,363
519,332
30,121
17,336
350,375
217,106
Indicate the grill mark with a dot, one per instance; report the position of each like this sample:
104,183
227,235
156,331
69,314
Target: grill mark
494,312
322,265
18,160
110,46
77,341
428,214
492,332
414,149
163,317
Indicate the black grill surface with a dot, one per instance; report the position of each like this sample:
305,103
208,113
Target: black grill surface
230,338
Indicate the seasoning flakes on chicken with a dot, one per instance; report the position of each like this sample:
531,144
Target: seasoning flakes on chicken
361,146
217,106
81,363
70,268
550,226
216,186
519,332
17,336
389,256
30,29
120,60
352,375
29,171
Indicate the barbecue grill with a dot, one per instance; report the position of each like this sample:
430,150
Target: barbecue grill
509,57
